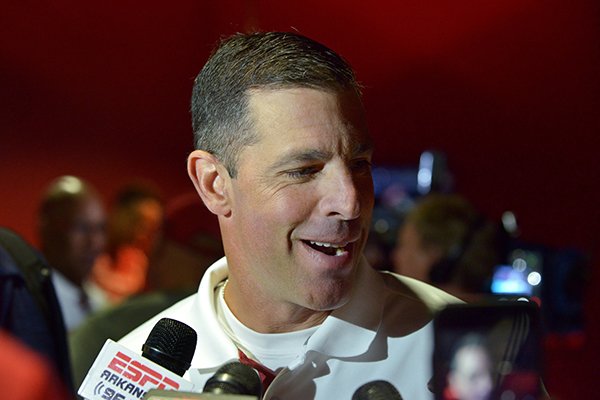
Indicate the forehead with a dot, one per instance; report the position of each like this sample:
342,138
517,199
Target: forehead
295,117
88,208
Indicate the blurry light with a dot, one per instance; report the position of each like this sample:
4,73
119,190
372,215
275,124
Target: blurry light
534,278
425,174
508,280
509,222
424,177
381,226
71,184
519,264
525,299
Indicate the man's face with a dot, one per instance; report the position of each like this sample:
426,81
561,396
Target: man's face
410,257
147,230
77,238
301,202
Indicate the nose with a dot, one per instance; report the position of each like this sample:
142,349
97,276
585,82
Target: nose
342,194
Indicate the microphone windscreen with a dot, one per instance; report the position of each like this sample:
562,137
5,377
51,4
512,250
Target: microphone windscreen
171,344
234,378
377,390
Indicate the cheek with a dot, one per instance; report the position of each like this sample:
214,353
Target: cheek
279,211
261,227
264,220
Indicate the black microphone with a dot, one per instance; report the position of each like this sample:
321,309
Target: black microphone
234,378
121,373
233,381
171,344
377,390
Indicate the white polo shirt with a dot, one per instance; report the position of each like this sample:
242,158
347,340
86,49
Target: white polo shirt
384,332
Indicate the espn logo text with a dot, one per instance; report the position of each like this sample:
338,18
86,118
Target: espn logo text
139,373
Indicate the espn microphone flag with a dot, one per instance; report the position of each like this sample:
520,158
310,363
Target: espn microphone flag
119,373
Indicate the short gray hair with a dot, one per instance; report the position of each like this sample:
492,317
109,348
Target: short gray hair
270,60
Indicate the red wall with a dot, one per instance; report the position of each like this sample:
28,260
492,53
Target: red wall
509,90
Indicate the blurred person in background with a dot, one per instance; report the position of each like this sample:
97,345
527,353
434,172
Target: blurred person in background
25,375
72,235
190,244
446,242
31,317
134,230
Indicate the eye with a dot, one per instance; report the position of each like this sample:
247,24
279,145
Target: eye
361,165
304,172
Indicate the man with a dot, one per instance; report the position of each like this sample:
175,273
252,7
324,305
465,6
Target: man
446,242
135,230
190,244
283,159
72,236
30,310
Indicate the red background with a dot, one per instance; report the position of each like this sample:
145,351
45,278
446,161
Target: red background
508,89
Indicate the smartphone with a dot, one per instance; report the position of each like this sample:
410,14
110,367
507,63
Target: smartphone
487,351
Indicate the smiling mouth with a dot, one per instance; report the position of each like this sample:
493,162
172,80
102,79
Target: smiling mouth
328,248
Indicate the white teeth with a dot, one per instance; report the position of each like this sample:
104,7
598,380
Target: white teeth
339,250
322,244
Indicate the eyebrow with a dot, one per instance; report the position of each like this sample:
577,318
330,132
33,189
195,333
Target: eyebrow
362,147
302,156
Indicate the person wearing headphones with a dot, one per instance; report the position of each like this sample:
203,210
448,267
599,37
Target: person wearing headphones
446,242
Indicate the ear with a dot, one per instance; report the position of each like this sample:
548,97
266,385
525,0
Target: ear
210,179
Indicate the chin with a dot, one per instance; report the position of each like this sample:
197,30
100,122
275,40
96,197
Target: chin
336,305
331,298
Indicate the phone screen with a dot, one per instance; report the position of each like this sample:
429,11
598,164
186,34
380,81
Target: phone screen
487,351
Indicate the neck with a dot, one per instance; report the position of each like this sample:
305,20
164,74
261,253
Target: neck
269,316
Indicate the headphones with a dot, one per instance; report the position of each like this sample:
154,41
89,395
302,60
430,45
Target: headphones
442,271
